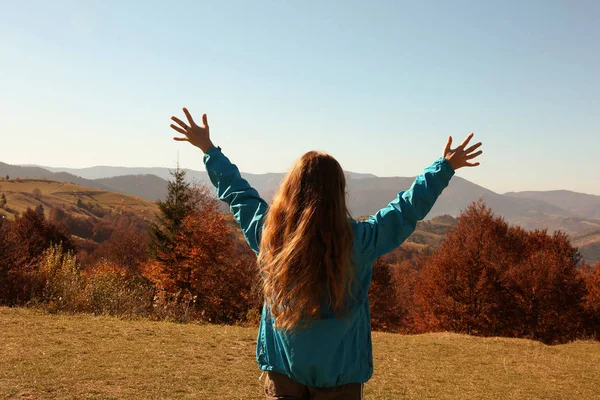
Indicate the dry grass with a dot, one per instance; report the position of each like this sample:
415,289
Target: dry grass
85,357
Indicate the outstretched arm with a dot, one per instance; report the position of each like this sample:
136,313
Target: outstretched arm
392,225
245,203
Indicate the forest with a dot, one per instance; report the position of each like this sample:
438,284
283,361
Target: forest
190,263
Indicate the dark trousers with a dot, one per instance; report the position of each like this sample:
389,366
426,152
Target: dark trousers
279,386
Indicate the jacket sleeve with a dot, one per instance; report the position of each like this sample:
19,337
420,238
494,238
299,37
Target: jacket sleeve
245,203
392,225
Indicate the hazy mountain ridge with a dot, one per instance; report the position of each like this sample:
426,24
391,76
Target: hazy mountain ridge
580,204
571,212
146,186
98,172
367,194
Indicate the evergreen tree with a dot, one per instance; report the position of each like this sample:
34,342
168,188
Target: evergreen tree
2,200
39,210
178,204
7,177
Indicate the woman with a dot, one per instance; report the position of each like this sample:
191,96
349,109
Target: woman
314,339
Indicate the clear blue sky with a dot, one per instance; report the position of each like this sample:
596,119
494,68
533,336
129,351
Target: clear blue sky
378,84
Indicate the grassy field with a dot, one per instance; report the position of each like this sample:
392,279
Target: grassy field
85,357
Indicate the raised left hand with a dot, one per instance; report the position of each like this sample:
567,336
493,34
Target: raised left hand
199,136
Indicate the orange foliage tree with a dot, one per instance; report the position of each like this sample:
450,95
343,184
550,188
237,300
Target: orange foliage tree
23,244
391,295
386,314
591,301
5,265
125,247
207,261
544,289
406,275
459,287
492,279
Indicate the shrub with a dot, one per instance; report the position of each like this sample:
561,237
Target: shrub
37,193
179,306
113,290
62,283
25,240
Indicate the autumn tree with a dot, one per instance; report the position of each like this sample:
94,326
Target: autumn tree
386,314
591,300
459,287
30,234
544,289
37,193
125,247
57,215
405,276
220,278
492,279
81,227
208,262
5,256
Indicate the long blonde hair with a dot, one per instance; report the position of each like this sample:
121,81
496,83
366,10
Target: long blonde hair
306,244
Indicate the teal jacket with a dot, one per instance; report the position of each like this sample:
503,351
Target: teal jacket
330,351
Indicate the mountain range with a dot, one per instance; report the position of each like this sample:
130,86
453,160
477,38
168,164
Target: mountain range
577,214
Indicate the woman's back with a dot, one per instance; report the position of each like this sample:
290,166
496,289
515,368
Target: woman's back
330,351
316,262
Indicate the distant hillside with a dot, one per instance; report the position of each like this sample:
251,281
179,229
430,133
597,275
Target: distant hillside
65,195
588,243
427,237
149,187
555,210
108,171
368,193
579,204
